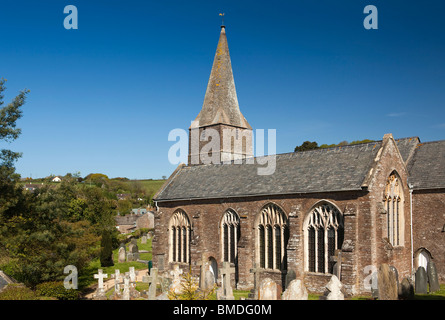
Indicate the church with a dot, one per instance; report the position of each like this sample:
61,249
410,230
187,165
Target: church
342,210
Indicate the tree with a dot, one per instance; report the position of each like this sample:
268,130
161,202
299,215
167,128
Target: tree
9,190
307,145
8,118
106,252
190,289
41,236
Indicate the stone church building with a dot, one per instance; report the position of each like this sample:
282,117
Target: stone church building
358,205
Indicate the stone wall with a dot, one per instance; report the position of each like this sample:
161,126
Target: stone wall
205,217
428,226
365,244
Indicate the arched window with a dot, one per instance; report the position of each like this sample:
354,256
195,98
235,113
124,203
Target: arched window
230,235
179,229
324,233
272,237
393,203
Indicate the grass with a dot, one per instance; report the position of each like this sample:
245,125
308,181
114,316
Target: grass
439,295
150,186
86,279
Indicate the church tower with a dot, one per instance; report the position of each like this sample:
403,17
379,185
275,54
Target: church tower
220,133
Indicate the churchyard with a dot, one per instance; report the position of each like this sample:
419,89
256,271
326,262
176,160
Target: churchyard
87,279
130,280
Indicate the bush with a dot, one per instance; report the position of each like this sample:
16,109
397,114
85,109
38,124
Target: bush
17,292
57,290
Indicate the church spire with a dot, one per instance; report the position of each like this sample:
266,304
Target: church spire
220,102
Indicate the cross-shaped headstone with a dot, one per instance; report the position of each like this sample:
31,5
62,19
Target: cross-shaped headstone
226,293
101,276
126,293
337,266
152,280
100,292
133,274
117,280
256,279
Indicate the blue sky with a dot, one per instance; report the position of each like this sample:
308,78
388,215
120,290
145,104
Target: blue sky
105,97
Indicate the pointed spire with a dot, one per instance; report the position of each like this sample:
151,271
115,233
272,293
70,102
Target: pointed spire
220,102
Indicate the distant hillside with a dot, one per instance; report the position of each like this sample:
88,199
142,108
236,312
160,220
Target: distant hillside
150,186
137,192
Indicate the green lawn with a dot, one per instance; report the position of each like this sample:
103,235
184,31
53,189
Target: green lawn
87,277
439,295
150,186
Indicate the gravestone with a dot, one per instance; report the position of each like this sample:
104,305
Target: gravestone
117,281
176,282
374,285
133,252
126,292
394,269
295,290
268,290
132,274
387,283
209,280
100,292
421,281
152,280
334,286
165,282
433,279
203,264
256,282
122,254
144,239
406,289
226,291
336,269
290,276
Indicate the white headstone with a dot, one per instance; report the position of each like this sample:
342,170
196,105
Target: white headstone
126,293
100,293
268,290
295,291
334,286
176,283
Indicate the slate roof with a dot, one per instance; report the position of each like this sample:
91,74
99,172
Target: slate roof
407,146
426,167
322,170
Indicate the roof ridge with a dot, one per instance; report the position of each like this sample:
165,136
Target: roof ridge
429,142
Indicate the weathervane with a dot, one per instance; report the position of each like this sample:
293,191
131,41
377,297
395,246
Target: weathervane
222,19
